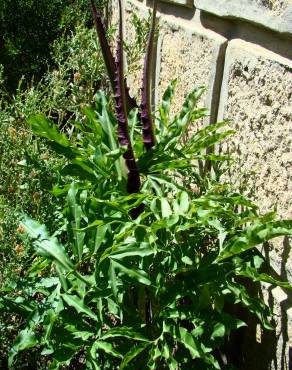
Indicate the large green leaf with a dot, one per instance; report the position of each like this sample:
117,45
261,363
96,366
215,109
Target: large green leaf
25,339
165,208
246,270
76,215
205,137
100,236
113,278
124,331
134,352
106,347
55,303
197,146
133,121
189,105
93,123
139,275
45,128
218,331
79,305
166,353
17,305
45,244
164,108
254,304
108,123
255,235
139,250
190,343
79,169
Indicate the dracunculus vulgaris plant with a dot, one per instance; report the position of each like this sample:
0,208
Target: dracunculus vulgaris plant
146,269
123,101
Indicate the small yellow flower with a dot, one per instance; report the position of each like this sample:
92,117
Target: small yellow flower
19,249
10,189
20,229
36,197
33,173
12,133
45,156
195,189
76,76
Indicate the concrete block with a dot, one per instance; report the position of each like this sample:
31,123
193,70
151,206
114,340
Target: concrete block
256,98
279,294
273,14
192,54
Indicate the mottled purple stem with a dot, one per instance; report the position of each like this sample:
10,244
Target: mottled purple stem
133,185
146,115
105,48
108,56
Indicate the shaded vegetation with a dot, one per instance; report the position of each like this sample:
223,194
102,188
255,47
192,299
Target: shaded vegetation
27,30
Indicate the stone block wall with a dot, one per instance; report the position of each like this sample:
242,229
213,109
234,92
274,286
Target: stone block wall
241,50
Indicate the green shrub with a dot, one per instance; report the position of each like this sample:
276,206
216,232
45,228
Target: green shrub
27,30
152,292
77,75
27,174
28,166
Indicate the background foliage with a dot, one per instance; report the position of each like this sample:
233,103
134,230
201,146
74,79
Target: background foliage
106,291
72,73
27,30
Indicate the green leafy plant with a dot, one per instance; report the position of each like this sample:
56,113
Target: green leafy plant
28,166
143,278
148,292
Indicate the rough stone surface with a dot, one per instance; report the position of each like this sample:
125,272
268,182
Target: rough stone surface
273,14
189,53
256,98
276,6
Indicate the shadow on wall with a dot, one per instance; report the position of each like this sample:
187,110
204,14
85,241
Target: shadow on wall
171,9
246,31
249,349
284,307
253,348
